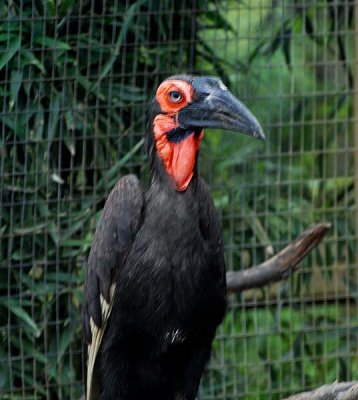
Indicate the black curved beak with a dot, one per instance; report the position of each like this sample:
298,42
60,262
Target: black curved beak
215,107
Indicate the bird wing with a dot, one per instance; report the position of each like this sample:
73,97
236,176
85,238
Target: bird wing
113,239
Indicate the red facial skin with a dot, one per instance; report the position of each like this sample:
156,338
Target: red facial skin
178,158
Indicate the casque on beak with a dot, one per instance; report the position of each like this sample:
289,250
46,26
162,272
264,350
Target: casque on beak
214,106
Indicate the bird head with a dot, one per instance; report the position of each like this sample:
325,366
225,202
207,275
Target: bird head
183,106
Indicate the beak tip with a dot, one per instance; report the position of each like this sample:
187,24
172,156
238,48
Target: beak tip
260,135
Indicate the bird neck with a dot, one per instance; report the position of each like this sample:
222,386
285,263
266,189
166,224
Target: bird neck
174,152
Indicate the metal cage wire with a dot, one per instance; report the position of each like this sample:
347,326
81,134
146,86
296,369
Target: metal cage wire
76,82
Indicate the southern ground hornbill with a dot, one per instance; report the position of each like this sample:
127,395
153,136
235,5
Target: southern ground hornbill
155,288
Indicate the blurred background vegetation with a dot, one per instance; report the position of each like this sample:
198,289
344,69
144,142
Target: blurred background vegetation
76,79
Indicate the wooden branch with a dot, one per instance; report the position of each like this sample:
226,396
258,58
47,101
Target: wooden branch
279,266
335,391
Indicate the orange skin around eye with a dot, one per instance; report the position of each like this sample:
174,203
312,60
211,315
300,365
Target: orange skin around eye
178,158
163,97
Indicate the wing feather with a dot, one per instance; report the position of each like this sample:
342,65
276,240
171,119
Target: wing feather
96,339
113,239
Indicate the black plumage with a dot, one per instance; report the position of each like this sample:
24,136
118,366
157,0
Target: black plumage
155,288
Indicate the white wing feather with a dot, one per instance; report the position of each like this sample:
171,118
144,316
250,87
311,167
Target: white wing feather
97,335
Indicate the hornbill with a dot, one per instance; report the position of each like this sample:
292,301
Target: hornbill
155,289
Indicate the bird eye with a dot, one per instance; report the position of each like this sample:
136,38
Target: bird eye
175,96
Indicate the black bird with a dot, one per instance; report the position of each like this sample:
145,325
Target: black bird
155,289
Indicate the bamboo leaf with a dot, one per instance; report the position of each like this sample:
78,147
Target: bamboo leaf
52,43
54,117
30,229
10,51
25,317
15,83
128,18
29,58
65,341
112,174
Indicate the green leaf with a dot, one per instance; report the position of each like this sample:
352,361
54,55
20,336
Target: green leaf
10,51
120,39
112,174
30,58
54,117
15,83
25,317
217,20
52,43
65,341
20,255
31,229
6,37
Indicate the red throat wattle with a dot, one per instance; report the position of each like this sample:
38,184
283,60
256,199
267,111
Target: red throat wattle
178,158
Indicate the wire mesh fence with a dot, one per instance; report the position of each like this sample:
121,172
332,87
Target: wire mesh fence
76,79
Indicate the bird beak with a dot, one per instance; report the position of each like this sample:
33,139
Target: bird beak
215,107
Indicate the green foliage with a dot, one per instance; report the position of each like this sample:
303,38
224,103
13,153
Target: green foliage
75,78
272,352
306,175
307,171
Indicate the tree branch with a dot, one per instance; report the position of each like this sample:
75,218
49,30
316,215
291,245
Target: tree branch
279,266
335,391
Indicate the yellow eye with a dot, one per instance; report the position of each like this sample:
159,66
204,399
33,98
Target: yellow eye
175,96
